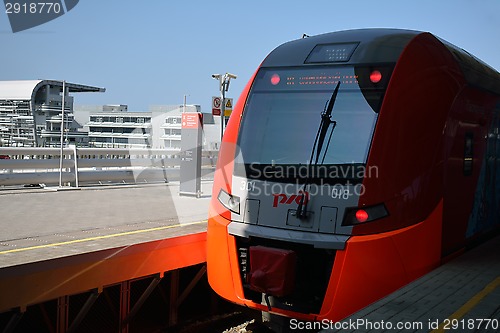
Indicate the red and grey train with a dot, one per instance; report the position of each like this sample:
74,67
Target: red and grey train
353,163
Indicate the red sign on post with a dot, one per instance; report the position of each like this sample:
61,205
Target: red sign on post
191,120
216,105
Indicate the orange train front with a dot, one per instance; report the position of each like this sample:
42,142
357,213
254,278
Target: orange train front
353,163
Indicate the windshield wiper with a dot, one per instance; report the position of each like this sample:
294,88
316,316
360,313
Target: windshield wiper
326,121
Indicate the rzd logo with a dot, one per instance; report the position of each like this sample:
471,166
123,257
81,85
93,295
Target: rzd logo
281,198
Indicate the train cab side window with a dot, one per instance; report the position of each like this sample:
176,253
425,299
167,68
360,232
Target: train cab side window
468,153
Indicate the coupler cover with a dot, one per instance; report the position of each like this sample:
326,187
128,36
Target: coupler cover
272,271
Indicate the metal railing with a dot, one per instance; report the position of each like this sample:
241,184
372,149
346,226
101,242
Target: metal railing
29,165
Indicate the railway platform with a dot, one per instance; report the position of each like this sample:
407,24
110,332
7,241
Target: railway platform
463,295
69,258
60,251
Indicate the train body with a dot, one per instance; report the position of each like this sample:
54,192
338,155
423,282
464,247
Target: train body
354,162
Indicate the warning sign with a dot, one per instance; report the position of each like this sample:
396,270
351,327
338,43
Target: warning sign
228,107
216,106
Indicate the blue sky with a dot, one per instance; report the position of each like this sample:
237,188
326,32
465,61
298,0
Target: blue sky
156,51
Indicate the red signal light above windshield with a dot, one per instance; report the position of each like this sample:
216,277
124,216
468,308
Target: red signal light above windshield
275,79
375,76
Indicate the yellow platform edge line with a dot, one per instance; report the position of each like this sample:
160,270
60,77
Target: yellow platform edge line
100,237
470,304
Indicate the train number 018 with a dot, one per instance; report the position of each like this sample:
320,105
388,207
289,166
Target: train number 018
341,193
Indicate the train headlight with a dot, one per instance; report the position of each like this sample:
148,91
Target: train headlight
357,215
229,201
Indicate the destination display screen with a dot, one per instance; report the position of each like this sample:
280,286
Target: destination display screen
324,53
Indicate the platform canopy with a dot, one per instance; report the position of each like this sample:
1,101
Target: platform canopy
25,89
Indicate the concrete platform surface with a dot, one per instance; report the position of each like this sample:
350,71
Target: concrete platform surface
41,224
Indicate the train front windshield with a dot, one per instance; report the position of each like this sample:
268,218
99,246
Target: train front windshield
283,114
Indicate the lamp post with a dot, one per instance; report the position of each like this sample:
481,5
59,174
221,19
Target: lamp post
223,87
62,132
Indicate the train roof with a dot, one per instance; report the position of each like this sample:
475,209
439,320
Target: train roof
373,46
476,72
377,45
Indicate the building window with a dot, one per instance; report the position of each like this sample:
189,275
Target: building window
173,120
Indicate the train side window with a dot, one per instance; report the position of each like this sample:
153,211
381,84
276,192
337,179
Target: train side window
468,153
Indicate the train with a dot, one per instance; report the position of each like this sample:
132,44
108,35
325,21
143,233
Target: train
353,163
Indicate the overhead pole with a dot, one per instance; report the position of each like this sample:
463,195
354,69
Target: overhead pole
223,87
62,133
223,107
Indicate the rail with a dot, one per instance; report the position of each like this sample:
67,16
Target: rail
33,166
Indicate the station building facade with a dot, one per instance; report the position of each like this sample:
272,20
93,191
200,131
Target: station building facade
31,113
31,116
113,126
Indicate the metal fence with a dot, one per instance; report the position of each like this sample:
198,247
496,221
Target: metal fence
33,166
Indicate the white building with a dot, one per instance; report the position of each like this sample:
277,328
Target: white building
31,113
119,129
160,128
167,125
